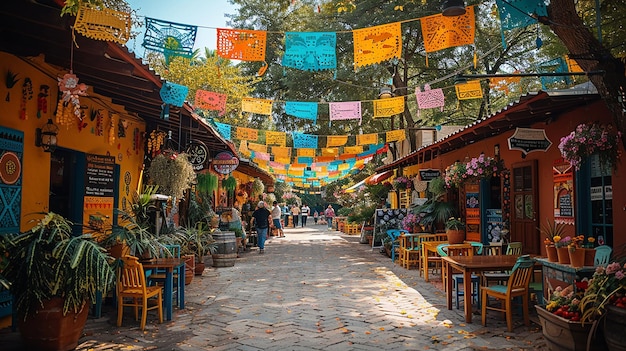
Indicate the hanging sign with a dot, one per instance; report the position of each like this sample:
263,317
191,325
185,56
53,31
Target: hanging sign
528,140
198,154
225,162
427,175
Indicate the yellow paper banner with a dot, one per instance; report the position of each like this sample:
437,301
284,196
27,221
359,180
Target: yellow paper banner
377,44
103,24
388,107
442,32
260,106
284,160
354,149
257,147
305,152
572,65
280,171
281,151
343,166
275,138
395,135
469,90
367,139
246,133
296,172
336,140
330,151
243,148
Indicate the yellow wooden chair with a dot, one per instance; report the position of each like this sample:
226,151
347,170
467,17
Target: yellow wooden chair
517,285
133,292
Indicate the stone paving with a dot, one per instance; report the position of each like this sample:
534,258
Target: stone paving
312,290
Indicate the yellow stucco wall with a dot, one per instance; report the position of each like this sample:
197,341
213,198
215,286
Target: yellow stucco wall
36,163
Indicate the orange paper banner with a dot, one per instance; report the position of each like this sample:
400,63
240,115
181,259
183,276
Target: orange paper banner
257,147
377,44
367,139
275,138
336,140
395,135
388,107
330,151
246,133
260,106
354,149
305,152
239,44
469,90
442,32
281,151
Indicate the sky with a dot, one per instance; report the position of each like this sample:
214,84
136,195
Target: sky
201,13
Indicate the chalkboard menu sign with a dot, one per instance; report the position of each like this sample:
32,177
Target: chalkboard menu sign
427,175
99,176
565,205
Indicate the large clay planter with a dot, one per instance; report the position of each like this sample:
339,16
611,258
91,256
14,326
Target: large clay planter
200,266
590,256
563,253
190,267
551,252
577,257
565,335
614,327
49,329
455,236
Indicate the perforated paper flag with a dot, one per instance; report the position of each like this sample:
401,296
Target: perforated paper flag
281,151
306,152
395,135
283,160
330,151
469,90
388,107
174,38
377,44
103,24
257,147
240,44
429,98
572,65
442,32
519,13
261,155
354,149
366,139
260,106
504,83
344,110
243,148
174,94
557,65
275,138
208,100
224,129
301,140
310,51
306,110
336,140
247,133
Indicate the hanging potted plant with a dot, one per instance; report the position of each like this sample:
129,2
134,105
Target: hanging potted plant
402,183
172,172
53,275
588,139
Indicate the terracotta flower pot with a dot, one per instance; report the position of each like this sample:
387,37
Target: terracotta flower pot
455,236
577,257
551,252
590,256
563,253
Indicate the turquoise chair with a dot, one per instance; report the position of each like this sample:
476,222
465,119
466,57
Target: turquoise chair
603,255
394,234
458,278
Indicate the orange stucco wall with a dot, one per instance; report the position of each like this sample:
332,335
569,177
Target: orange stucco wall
36,162
562,126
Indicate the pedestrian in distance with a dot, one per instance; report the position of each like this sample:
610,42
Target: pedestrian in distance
329,213
295,212
276,215
315,216
305,211
262,218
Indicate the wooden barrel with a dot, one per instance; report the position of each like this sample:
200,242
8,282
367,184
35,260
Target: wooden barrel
226,252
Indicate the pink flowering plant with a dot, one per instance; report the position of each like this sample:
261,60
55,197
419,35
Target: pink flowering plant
410,221
588,139
477,168
455,175
607,287
402,183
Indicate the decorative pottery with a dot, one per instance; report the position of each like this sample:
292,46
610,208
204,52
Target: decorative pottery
455,236
551,252
590,255
200,266
563,253
565,335
577,257
614,327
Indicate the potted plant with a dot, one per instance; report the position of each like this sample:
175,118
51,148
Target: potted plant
588,139
136,239
550,230
53,275
435,211
199,242
402,183
455,229
172,172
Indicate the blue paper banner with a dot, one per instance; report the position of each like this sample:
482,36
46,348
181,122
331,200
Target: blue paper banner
557,65
305,160
224,129
304,141
310,51
519,13
307,110
169,37
174,94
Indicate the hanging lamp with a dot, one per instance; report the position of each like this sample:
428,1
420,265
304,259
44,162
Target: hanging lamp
453,8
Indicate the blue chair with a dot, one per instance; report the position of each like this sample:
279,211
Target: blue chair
464,250
603,255
158,276
394,234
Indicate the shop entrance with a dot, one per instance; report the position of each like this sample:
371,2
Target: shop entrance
65,196
524,191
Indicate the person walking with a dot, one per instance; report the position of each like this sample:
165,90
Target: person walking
276,215
329,213
315,216
295,212
262,217
305,213
286,214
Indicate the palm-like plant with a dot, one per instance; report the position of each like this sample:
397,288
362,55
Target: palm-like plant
138,238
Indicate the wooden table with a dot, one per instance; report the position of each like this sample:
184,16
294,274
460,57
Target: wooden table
429,247
169,265
469,265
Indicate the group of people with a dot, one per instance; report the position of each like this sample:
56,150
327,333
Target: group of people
265,218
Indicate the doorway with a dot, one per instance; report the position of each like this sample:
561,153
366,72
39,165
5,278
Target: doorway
66,187
524,194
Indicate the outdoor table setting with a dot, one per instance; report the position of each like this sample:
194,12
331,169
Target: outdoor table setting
170,265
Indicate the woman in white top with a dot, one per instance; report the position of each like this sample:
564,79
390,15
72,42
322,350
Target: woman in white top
276,212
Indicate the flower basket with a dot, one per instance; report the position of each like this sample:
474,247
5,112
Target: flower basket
562,334
589,139
576,257
477,168
614,326
563,254
551,252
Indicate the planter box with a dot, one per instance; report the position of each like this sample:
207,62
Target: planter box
564,335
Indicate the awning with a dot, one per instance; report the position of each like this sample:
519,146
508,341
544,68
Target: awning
379,177
355,187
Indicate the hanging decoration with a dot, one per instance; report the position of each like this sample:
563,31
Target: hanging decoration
306,110
259,106
345,110
388,107
10,79
260,155
310,51
257,147
208,100
519,13
353,149
169,38
304,140
377,44
306,152
243,45
243,148
395,135
442,32
281,151
111,128
275,138
330,151
246,134
224,129
504,83
42,100
336,140
103,24
27,94
572,65
174,94
469,90
367,139
71,90
429,98
557,65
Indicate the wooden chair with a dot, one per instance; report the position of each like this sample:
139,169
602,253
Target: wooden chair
410,251
493,249
603,255
517,285
393,235
131,287
428,237
514,248
458,250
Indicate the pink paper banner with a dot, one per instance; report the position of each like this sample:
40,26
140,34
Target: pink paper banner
429,98
344,110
